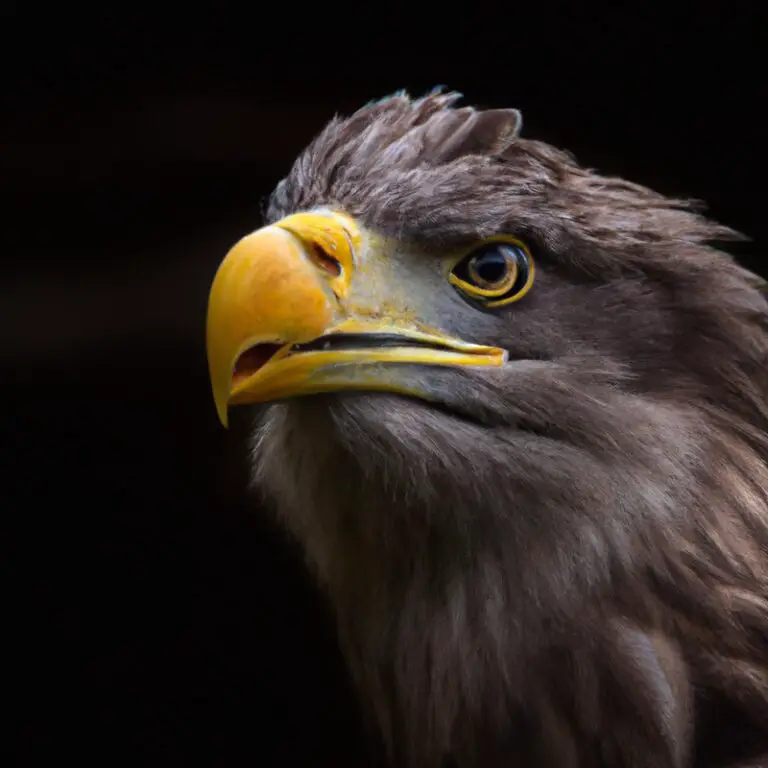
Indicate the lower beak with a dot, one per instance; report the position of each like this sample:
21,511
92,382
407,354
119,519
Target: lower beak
277,327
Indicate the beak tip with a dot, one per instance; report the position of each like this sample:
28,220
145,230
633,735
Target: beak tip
223,413
221,402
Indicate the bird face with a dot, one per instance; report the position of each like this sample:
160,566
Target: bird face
319,303
429,281
316,303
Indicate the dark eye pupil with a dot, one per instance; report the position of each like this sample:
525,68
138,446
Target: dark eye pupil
491,266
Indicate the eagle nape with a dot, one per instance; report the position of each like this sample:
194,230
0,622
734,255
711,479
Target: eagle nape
515,414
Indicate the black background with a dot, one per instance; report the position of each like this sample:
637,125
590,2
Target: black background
156,618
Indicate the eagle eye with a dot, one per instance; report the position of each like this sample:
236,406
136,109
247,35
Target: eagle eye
495,274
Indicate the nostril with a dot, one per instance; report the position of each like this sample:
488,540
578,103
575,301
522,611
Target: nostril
324,260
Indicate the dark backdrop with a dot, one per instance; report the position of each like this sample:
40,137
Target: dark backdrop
155,616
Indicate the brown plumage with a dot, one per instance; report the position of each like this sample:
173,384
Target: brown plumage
562,561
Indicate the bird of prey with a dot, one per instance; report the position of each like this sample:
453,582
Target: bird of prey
514,411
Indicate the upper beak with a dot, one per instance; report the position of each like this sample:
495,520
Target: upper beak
287,285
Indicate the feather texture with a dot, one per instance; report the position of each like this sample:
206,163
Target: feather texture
567,565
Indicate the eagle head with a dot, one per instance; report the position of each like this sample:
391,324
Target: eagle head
514,412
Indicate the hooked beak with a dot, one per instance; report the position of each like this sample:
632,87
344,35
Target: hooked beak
280,323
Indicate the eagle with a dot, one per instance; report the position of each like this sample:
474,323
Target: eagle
514,412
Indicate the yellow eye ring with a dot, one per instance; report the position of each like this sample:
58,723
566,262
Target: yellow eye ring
497,273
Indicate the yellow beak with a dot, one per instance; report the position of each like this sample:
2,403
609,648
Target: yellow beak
281,324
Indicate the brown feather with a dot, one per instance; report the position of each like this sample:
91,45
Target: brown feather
567,566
